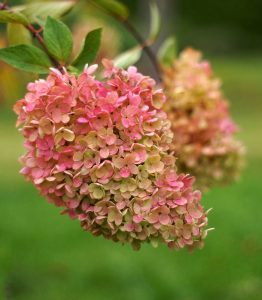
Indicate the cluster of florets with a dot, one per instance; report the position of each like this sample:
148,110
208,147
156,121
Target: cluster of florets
102,150
203,130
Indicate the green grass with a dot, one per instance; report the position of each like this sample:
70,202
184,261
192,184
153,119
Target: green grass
47,256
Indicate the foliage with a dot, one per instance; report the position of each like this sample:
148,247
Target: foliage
27,58
167,52
58,39
114,7
89,50
38,11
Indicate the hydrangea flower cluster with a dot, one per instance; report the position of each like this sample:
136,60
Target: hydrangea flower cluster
203,130
103,151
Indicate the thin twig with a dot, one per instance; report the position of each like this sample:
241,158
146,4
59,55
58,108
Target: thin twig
36,34
143,43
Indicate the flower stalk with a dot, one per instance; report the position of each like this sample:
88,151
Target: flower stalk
145,44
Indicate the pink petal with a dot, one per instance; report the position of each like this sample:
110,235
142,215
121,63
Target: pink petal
73,204
181,201
194,211
82,120
37,173
56,115
104,153
138,218
125,172
164,219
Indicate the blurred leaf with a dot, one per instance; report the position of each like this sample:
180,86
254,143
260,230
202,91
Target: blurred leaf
73,70
114,7
38,12
27,58
58,39
167,52
18,34
13,17
89,50
155,22
128,57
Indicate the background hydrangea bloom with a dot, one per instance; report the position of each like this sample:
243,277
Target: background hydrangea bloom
102,150
203,130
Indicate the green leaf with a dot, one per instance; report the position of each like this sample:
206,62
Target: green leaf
7,16
18,34
73,70
114,7
58,39
154,23
167,52
38,12
128,57
27,58
89,49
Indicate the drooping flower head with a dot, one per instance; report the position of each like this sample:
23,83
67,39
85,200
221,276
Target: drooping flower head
102,150
203,129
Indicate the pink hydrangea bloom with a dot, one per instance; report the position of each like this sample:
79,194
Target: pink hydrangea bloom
203,129
103,151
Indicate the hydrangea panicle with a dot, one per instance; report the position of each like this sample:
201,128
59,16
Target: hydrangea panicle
103,151
203,130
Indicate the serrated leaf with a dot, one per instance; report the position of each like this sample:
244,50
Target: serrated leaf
27,58
38,12
167,52
114,7
58,39
155,22
128,57
7,16
89,49
18,34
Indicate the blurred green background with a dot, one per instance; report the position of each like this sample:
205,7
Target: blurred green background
47,256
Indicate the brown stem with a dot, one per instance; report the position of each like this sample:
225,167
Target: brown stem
143,43
36,34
